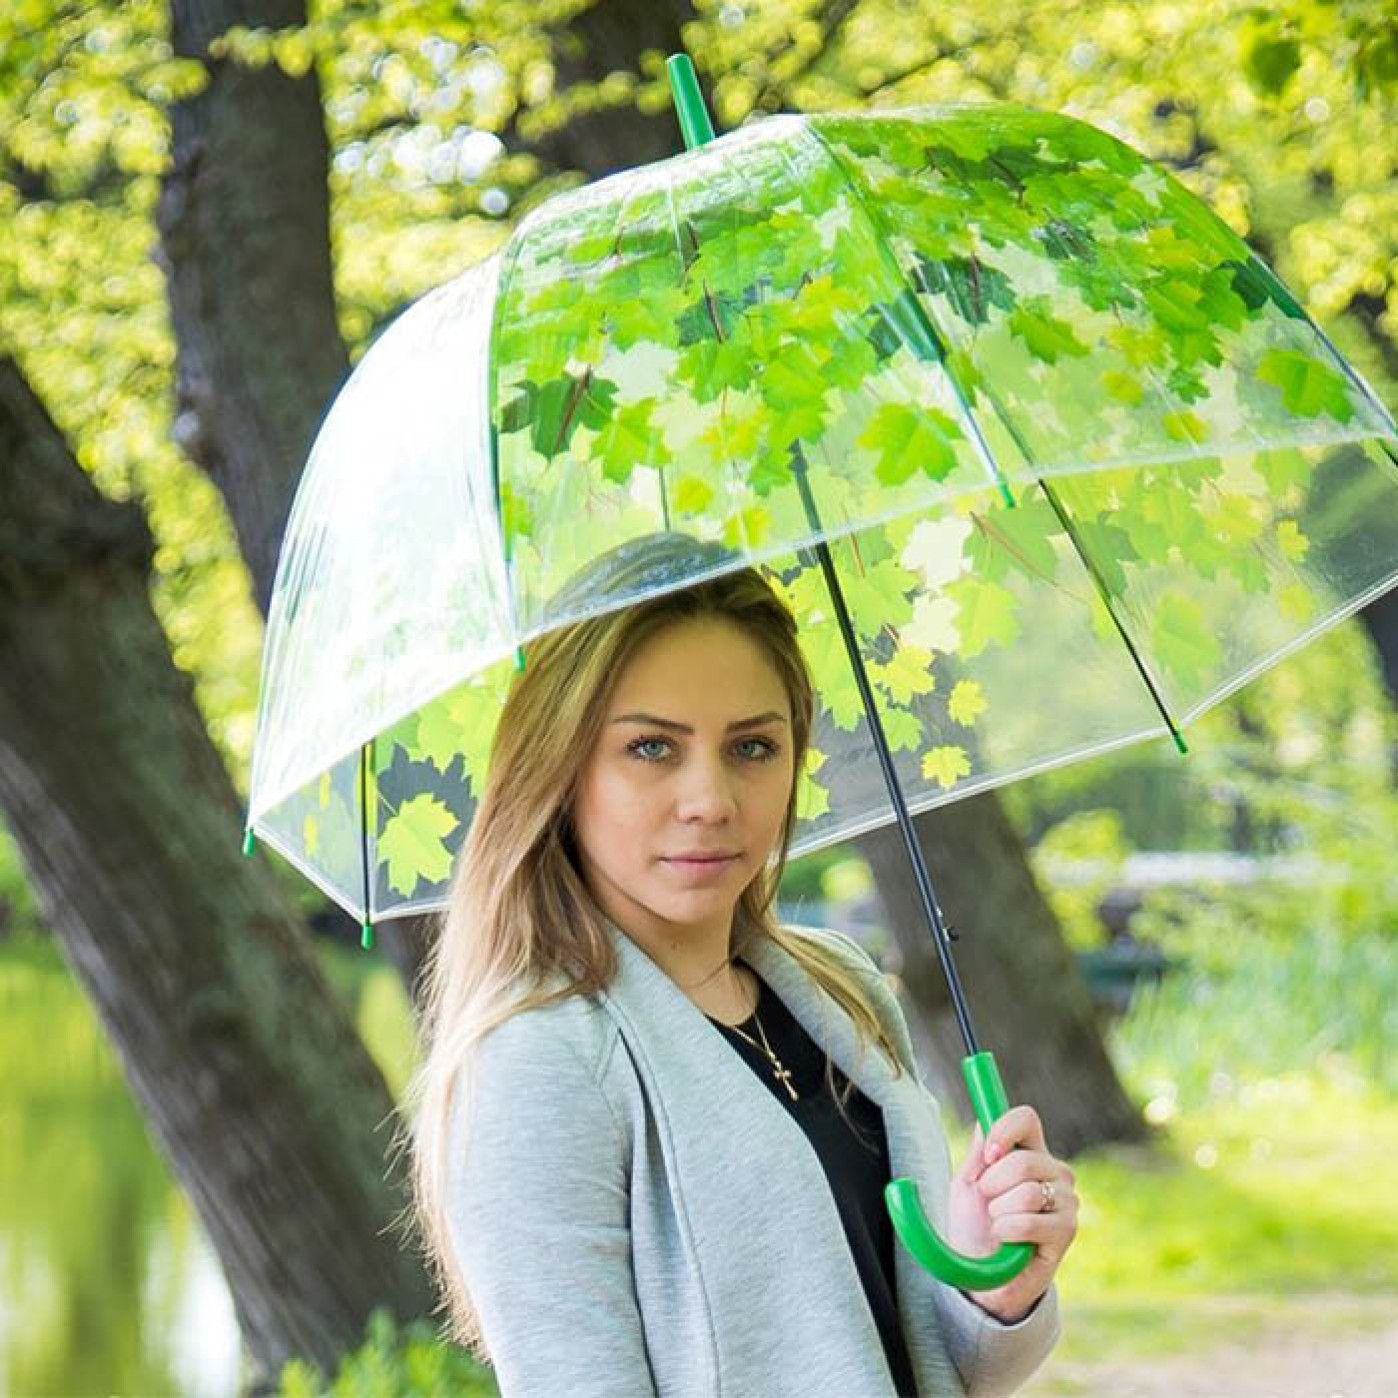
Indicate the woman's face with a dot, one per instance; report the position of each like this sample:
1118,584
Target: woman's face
683,795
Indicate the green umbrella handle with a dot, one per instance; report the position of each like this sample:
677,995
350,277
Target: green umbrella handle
988,1098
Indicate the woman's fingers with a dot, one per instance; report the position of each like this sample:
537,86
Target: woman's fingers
1020,1126
1026,1198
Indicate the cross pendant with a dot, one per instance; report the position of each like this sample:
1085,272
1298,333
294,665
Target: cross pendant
783,1076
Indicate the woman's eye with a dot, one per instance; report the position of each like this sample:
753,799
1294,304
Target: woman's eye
765,749
640,744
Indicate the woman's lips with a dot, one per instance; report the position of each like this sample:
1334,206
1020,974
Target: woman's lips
702,866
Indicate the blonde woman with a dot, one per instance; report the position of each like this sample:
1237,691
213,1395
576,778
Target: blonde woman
652,1127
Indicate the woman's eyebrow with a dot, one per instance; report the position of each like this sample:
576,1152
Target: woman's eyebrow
771,716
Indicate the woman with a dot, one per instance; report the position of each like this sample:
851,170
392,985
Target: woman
652,1127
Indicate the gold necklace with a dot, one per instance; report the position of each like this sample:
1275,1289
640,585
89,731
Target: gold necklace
783,1075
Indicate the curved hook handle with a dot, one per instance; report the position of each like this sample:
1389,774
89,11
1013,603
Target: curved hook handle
904,1204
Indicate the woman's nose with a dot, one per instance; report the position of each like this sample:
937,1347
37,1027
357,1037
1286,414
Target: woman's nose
706,790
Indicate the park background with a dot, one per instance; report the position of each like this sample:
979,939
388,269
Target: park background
211,210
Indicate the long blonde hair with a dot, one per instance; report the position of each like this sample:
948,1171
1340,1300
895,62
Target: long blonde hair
520,915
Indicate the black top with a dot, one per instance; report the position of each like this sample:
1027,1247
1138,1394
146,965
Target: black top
855,1160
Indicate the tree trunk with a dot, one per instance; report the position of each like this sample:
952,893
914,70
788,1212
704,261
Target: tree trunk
1027,1000
609,37
244,1060
244,221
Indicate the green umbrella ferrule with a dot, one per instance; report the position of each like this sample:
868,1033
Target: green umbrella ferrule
366,935
695,125
1180,742
249,843
519,657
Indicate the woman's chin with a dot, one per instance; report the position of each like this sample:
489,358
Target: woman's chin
696,904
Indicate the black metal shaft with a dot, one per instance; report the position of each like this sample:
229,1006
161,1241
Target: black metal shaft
941,939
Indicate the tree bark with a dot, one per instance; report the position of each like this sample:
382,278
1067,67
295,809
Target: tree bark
244,220
244,1060
1027,999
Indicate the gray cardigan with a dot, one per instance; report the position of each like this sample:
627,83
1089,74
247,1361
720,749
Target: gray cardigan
635,1214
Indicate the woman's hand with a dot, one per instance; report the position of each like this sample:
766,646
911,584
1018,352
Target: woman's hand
996,1198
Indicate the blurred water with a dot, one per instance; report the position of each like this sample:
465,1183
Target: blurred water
108,1285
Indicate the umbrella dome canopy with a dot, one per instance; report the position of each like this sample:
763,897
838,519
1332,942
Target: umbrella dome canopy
1085,464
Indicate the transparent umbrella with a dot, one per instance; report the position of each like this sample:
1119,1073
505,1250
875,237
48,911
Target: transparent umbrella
1044,459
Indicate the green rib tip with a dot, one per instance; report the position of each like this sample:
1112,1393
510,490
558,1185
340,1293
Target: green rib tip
519,657
695,126
1179,741
249,843
366,935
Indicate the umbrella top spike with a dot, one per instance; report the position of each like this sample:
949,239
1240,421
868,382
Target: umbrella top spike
695,125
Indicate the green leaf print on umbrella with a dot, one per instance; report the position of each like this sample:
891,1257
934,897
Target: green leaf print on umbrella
1309,388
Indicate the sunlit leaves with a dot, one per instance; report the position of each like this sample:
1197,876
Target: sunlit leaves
907,674
1269,55
909,439
945,764
553,411
1183,640
1309,387
971,286
1019,538
626,439
878,595
985,615
967,702
1292,542
1046,335
413,843
292,49
778,335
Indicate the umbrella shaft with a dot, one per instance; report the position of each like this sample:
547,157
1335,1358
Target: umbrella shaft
928,898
